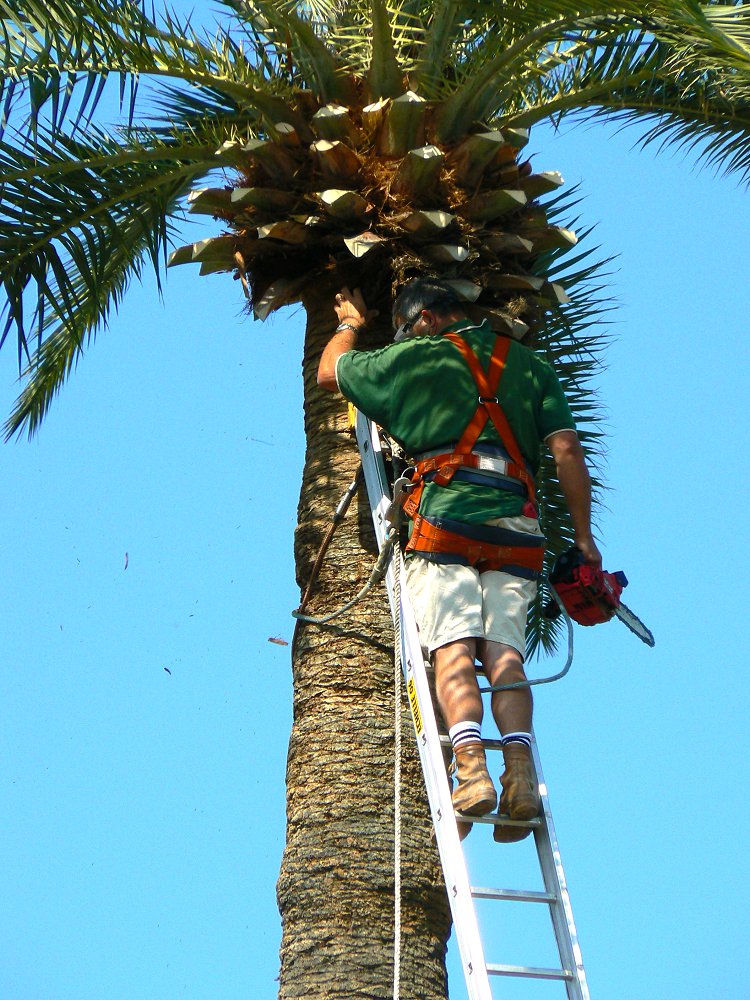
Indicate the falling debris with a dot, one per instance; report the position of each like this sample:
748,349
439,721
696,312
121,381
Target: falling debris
126,562
278,640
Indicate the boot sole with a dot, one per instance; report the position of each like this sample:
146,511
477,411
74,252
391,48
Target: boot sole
512,834
509,834
464,829
480,807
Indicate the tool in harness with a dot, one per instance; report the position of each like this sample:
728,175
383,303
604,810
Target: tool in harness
483,546
591,595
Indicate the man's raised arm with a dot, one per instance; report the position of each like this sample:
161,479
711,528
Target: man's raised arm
353,314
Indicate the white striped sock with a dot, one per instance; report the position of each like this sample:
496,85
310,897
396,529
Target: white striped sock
524,738
465,732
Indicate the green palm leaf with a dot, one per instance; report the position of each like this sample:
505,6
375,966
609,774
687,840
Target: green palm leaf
309,59
53,48
82,215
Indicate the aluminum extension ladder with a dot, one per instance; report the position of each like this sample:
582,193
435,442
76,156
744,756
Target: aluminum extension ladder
461,893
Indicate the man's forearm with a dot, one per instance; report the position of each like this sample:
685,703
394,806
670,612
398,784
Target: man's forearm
576,486
575,482
339,344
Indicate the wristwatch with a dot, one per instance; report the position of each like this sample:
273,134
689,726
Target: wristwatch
349,326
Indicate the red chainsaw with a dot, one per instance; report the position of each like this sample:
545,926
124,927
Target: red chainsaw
591,595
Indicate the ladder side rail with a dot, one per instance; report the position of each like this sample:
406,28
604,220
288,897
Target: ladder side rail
378,491
553,874
428,739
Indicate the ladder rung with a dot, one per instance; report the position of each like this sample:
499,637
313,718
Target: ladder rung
528,972
519,895
494,820
493,744
488,744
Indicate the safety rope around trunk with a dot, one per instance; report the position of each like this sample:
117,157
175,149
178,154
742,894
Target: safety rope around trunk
377,574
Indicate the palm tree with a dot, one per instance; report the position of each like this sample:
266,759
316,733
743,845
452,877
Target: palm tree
340,143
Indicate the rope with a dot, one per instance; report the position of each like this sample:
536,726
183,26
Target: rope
553,677
377,574
397,779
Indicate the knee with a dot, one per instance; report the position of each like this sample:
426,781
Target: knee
454,659
505,666
510,676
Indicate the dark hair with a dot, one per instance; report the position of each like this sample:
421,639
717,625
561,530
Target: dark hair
425,293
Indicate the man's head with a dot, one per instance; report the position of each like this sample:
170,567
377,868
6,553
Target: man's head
424,308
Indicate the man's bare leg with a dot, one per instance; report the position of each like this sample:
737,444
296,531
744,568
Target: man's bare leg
461,704
512,711
456,682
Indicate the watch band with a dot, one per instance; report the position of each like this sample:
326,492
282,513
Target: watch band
348,326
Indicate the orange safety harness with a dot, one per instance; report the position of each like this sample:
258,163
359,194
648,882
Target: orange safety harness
483,546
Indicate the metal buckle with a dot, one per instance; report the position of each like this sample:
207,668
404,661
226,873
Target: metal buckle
394,514
489,463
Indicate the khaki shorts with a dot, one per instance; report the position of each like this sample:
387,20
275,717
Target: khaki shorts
456,602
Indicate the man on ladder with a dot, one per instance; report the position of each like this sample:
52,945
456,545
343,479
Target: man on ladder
472,409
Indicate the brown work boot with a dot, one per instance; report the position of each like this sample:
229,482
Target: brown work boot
464,829
475,794
520,795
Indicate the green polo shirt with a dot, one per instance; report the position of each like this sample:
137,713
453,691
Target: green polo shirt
422,393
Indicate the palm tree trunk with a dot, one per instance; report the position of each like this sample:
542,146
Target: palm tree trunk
336,885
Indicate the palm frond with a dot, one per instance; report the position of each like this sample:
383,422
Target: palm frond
573,341
705,121
53,49
71,216
495,77
385,76
689,87
89,298
445,32
308,57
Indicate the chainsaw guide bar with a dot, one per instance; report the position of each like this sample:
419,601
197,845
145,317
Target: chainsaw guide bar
635,624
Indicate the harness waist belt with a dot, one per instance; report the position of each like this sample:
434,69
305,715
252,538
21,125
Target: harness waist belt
490,480
491,533
490,457
480,447
482,546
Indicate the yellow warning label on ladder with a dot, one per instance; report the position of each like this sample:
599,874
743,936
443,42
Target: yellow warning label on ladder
411,688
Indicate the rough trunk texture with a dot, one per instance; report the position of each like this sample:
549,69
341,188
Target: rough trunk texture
335,888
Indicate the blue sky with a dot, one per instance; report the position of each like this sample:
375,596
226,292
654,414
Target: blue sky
146,714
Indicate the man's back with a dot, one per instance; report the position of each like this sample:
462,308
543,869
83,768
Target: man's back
422,392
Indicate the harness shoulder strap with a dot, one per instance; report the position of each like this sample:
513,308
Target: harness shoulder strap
488,406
